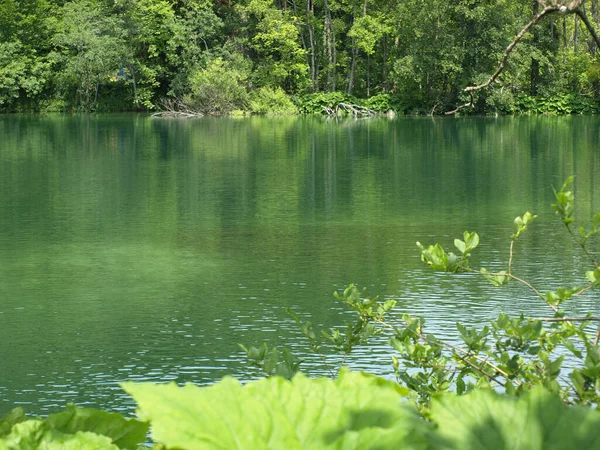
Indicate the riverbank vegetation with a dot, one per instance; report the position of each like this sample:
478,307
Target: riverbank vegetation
283,57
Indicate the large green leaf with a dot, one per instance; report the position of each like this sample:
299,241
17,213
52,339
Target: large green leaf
356,411
14,417
539,420
124,433
38,435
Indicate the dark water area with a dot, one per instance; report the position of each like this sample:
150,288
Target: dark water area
134,248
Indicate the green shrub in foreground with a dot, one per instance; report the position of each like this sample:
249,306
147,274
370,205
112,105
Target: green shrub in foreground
354,411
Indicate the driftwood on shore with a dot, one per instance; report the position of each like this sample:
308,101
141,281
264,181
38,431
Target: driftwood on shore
355,111
175,107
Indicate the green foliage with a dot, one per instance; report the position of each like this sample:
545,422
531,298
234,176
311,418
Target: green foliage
95,55
437,258
354,411
90,53
124,433
367,31
14,417
218,89
521,223
380,103
524,352
569,103
276,41
74,428
22,74
513,354
271,363
565,202
539,420
272,102
35,434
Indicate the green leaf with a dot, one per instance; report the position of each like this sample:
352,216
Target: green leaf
485,420
271,360
354,411
124,433
593,276
497,279
521,223
14,417
460,245
38,435
471,240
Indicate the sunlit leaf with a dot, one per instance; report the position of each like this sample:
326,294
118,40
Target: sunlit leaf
38,435
485,420
14,417
124,433
354,411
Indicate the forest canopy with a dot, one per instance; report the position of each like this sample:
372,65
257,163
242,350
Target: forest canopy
215,57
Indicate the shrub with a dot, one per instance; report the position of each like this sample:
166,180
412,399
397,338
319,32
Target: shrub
380,103
272,102
513,355
219,89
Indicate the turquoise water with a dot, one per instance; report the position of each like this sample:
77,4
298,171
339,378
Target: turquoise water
134,248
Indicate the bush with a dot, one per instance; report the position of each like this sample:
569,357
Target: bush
219,89
513,355
272,102
380,103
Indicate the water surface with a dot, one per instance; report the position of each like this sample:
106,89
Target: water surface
134,248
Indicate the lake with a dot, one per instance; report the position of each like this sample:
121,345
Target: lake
136,248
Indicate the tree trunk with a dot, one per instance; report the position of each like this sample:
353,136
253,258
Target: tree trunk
576,34
311,41
534,73
384,63
350,86
329,45
368,76
594,10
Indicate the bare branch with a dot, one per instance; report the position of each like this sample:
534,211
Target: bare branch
589,25
547,10
466,105
356,111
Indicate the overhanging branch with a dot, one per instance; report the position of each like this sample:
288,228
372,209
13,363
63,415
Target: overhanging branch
564,7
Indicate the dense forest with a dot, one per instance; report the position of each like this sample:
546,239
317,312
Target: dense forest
282,56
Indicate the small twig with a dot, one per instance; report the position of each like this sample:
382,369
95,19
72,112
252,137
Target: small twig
587,288
480,369
582,245
514,277
470,103
327,366
510,255
459,350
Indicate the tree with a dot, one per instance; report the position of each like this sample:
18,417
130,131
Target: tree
91,53
542,9
275,40
25,67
